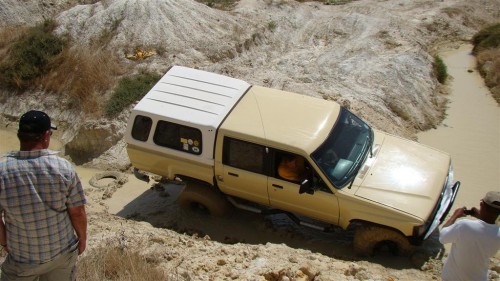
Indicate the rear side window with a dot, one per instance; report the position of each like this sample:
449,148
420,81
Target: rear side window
244,155
141,128
178,137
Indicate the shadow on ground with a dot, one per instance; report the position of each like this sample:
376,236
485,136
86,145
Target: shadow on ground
158,207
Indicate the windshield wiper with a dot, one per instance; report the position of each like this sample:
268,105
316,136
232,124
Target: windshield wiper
361,160
370,146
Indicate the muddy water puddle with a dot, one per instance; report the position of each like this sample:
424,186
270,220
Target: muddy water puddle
471,131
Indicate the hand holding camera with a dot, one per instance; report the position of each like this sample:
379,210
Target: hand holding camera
470,212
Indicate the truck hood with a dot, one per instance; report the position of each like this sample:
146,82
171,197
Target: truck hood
404,175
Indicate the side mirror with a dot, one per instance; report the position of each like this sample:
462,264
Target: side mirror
306,187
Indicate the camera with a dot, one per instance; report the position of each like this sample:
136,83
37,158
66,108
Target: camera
469,212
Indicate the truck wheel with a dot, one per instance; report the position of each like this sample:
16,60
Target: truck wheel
370,239
205,199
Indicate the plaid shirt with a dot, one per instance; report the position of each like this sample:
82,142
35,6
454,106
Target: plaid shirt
36,187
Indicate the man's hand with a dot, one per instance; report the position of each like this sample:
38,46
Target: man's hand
82,244
458,213
78,218
475,212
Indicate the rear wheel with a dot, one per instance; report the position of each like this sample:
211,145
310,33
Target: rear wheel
371,239
204,199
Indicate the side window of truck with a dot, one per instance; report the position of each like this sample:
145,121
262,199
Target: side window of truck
178,137
295,168
244,155
290,167
141,128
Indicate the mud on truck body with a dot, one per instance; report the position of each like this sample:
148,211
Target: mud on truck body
225,138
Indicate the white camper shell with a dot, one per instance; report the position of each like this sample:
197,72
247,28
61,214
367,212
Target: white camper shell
190,97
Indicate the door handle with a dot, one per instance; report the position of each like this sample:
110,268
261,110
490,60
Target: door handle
277,186
233,174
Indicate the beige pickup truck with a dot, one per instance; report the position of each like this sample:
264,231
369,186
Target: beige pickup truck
266,150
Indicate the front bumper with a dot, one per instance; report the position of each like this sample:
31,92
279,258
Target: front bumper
443,207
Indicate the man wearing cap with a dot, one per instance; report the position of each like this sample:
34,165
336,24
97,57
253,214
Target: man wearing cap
475,241
44,224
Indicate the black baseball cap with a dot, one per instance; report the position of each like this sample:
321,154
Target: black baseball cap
35,122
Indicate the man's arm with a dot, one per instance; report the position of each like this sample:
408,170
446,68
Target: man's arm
458,213
78,218
3,232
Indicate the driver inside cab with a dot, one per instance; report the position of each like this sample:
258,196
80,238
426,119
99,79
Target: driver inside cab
292,168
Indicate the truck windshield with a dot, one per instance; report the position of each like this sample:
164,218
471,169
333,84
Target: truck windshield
344,151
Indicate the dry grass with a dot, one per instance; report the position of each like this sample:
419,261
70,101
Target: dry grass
84,76
489,67
229,4
10,34
7,36
219,4
27,57
398,108
117,264
487,50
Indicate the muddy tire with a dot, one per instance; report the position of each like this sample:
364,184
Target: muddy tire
204,199
370,239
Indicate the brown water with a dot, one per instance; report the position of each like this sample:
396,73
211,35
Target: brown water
471,131
9,141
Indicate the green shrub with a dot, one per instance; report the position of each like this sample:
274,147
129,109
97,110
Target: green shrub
272,25
29,56
440,69
487,38
129,90
219,4
336,2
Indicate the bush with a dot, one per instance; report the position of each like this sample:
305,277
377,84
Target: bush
29,57
83,75
219,4
116,264
487,38
487,50
440,69
129,90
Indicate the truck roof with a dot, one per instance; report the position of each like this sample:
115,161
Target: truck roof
295,122
193,96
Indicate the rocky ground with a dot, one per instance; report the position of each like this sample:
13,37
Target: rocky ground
374,57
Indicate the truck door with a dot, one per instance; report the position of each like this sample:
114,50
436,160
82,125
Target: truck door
289,170
242,172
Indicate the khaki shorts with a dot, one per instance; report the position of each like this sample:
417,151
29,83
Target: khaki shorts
60,269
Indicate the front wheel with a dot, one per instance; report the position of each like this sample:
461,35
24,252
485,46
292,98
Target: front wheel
371,238
205,199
